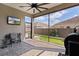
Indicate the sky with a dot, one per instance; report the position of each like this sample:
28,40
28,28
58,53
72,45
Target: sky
57,17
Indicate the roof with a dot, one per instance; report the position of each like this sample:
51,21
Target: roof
70,22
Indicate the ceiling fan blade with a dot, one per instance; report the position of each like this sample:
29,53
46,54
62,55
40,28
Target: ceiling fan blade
28,4
33,10
24,6
43,4
38,9
43,8
29,9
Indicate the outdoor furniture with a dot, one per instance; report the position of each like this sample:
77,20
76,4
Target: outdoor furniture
71,44
1,41
6,41
9,39
15,37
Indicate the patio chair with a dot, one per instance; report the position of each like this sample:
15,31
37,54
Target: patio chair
71,44
16,37
6,41
9,39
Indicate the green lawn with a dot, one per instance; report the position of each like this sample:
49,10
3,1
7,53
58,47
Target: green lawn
55,40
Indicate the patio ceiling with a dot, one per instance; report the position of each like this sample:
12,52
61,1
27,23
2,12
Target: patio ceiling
52,7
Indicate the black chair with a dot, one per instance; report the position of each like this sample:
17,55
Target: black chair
6,41
71,44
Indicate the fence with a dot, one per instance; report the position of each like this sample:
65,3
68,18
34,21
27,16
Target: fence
61,32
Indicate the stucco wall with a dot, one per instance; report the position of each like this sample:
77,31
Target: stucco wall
4,27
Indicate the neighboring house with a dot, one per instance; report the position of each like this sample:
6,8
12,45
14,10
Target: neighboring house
68,23
36,25
40,25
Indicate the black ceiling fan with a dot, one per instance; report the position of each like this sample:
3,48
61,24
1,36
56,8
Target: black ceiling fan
35,6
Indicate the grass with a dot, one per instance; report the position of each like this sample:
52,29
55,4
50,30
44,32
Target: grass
44,37
55,40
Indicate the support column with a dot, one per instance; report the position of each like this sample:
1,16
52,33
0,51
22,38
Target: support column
32,28
48,27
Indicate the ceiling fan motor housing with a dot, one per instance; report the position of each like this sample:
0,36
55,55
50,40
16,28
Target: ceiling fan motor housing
34,5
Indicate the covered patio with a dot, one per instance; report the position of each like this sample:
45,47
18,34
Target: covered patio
30,44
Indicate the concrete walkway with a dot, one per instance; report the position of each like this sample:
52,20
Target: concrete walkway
43,48
39,43
35,52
